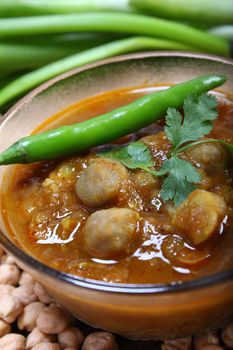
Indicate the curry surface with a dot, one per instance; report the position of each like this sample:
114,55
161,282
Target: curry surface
47,219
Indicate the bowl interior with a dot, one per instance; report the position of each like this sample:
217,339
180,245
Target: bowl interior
127,71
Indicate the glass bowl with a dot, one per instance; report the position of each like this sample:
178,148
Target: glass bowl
134,311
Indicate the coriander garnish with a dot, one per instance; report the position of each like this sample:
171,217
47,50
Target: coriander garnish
182,177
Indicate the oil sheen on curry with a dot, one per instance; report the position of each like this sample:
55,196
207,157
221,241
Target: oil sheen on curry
93,217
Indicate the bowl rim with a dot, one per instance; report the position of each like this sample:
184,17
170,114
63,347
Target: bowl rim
92,284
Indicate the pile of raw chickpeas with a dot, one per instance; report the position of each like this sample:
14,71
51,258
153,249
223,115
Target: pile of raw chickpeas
31,320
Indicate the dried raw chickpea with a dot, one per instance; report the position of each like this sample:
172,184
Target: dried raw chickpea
29,316
71,337
227,335
211,347
25,294
100,341
52,320
6,289
178,344
10,308
25,278
36,337
9,274
7,259
210,338
41,294
5,328
47,346
12,341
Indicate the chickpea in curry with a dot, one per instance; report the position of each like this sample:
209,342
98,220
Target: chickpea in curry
93,217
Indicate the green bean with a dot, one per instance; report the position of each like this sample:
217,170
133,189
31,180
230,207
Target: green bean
28,53
7,77
66,40
223,31
34,78
68,140
16,56
114,22
4,80
208,11
20,56
12,8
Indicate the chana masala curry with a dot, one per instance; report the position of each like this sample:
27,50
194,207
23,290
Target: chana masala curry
97,215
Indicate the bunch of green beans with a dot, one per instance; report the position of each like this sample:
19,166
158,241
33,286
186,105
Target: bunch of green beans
40,39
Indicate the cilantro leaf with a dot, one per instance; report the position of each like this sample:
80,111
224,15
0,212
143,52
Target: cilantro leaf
134,155
175,189
179,183
199,113
181,176
173,126
139,153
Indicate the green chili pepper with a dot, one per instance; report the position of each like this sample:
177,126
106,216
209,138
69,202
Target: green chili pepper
68,140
